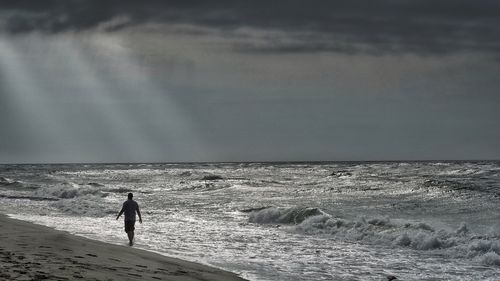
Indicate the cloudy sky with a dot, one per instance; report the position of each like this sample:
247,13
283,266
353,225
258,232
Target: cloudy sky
168,81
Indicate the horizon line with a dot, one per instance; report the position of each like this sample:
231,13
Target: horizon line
256,162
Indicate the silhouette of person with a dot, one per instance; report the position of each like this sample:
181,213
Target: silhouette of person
129,208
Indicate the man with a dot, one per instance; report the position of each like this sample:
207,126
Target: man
129,208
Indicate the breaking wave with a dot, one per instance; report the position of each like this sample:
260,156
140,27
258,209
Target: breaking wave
284,215
70,190
6,183
460,242
67,197
78,199
92,206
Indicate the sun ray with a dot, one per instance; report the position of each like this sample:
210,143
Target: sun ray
132,115
28,96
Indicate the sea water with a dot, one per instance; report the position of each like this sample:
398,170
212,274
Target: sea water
282,221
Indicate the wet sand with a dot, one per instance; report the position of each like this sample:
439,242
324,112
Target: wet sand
34,252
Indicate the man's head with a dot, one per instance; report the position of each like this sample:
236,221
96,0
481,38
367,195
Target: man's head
130,195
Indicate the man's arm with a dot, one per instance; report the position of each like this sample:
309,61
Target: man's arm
120,213
139,213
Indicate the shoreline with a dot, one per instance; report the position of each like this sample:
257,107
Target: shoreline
34,252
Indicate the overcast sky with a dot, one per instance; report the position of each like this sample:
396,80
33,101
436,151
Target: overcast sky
169,81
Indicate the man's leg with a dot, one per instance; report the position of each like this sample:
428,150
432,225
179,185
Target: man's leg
130,237
129,228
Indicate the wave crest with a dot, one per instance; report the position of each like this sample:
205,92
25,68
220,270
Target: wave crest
70,190
421,236
293,215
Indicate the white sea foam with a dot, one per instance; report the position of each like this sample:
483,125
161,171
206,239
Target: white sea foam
490,258
87,205
382,231
69,190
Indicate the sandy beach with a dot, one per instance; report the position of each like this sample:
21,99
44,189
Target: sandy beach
34,252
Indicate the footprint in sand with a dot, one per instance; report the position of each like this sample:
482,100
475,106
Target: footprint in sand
59,278
41,276
40,255
162,269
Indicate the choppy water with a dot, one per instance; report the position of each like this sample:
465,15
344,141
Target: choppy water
318,221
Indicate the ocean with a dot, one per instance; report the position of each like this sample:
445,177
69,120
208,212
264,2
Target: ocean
282,221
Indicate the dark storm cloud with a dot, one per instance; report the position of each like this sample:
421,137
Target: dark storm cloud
418,26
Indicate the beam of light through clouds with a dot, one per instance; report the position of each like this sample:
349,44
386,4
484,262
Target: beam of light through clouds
19,85
87,100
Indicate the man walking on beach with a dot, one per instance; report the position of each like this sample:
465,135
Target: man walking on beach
129,208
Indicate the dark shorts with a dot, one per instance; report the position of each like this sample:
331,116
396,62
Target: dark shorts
129,226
